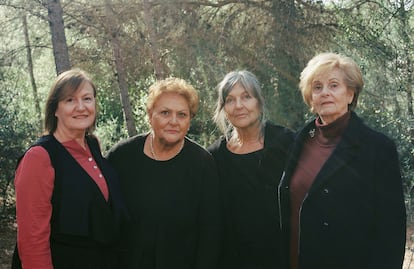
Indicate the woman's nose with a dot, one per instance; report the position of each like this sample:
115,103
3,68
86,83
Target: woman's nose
173,119
325,90
239,102
80,105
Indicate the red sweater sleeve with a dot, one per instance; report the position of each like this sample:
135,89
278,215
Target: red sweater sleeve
34,182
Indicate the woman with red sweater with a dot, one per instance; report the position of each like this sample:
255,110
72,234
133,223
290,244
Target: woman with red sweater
68,207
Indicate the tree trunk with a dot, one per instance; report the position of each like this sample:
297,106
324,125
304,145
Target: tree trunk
57,30
152,37
120,69
30,69
288,66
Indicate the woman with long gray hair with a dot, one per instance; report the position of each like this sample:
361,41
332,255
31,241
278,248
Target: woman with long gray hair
250,156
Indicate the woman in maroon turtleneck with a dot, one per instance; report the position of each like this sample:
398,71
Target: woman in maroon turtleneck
341,198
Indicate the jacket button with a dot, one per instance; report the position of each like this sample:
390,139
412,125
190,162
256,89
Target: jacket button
326,224
326,191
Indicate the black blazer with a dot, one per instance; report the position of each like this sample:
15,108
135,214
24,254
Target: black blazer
354,214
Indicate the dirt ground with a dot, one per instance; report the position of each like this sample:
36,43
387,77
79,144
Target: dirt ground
8,239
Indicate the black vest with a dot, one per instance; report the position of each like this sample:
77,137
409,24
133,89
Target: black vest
79,208
80,214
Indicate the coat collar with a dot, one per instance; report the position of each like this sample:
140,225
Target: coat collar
342,154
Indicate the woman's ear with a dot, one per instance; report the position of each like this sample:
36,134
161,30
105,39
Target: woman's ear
351,94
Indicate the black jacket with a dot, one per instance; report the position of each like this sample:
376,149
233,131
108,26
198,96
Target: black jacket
354,214
249,192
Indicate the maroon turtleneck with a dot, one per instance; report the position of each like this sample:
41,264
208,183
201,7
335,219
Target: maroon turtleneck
318,146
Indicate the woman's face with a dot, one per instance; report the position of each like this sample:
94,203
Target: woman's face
330,95
170,118
241,108
77,112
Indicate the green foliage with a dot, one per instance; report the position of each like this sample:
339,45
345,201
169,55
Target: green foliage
17,132
109,132
201,41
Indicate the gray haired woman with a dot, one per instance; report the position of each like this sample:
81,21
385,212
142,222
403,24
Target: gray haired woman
250,156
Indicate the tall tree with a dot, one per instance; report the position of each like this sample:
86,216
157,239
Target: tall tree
160,72
113,32
30,70
288,65
57,31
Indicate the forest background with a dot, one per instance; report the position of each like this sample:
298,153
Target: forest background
126,45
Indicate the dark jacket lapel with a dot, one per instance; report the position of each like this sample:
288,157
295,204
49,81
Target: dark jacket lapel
342,154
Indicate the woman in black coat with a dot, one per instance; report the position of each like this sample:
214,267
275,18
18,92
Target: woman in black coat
341,197
250,156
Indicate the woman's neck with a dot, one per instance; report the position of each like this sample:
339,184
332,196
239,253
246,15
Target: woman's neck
162,151
246,141
63,136
331,133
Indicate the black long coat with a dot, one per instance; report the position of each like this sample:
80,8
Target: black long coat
353,215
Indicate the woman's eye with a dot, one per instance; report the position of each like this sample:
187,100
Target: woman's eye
164,112
246,97
182,115
229,100
317,88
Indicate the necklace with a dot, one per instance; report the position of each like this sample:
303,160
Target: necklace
152,147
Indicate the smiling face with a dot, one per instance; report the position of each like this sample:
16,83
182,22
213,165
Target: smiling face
241,108
170,118
330,95
76,112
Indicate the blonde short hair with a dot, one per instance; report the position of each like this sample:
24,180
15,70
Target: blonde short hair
326,62
173,85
